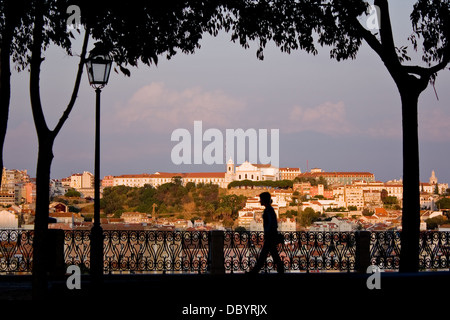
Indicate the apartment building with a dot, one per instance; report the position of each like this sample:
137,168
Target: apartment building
11,177
339,178
159,178
7,199
83,180
289,173
135,217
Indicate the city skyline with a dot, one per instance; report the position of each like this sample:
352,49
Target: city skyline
338,116
287,173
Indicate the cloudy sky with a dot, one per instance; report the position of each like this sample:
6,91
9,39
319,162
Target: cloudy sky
338,116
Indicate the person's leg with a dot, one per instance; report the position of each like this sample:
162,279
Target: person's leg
276,258
261,259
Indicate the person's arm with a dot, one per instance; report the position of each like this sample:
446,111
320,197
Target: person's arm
271,221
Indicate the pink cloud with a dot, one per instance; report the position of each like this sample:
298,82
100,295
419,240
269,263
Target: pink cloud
328,118
160,108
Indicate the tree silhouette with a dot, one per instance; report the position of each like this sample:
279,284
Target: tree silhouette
136,32
12,22
293,25
43,12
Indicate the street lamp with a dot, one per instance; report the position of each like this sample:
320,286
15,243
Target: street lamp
98,68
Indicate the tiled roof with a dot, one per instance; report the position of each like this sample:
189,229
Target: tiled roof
334,173
259,165
175,174
143,175
204,175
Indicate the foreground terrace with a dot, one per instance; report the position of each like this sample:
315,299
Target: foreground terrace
177,268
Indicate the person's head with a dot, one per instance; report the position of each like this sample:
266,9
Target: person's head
265,199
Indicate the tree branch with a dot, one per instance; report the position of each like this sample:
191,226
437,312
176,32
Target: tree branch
428,72
387,39
76,88
371,40
445,61
35,70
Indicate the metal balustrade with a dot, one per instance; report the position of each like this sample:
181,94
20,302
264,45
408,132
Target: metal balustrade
301,251
155,251
16,251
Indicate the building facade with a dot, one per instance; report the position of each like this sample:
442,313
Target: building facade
249,171
8,220
246,171
289,173
344,178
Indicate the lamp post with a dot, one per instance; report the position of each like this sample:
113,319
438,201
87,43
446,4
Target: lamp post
98,68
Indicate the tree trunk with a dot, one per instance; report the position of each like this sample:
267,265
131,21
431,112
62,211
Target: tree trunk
46,138
409,256
45,158
5,92
12,11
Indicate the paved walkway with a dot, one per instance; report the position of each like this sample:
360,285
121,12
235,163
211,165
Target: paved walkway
15,287
326,293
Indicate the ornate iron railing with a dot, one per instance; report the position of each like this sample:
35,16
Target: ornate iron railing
301,251
385,249
77,245
146,251
434,251
143,250
16,251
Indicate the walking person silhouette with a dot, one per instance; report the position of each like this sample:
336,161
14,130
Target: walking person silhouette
270,236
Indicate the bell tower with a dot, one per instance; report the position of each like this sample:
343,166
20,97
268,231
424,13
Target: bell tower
229,174
230,166
433,179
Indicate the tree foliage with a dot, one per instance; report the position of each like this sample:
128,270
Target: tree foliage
443,203
434,223
308,216
143,31
172,197
72,193
313,181
282,184
305,25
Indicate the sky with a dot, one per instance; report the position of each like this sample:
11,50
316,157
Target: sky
337,116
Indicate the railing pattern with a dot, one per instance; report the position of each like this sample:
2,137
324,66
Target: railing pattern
16,251
189,251
301,251
77,245
385,249
143,250
434,251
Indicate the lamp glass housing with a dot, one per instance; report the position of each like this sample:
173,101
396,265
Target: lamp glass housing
98,69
